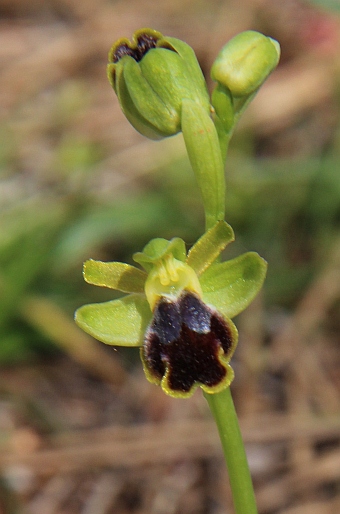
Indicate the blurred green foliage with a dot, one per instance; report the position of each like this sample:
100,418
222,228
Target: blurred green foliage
327,4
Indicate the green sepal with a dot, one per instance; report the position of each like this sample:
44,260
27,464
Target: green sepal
192,67
140,123
147,102
231,286
121,322
209,246
115,275
157,249
202,144
173,77
159,67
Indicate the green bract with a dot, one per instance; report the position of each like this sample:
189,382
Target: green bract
245,62
152,75
178,310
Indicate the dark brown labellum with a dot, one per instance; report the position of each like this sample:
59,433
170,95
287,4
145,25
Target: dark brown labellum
185,337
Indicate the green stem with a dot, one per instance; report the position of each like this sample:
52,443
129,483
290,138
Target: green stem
202,144
227,112
207,143
221,404
223,117
223,410
223,139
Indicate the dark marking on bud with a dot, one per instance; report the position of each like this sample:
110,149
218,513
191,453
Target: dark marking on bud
144,43
122,50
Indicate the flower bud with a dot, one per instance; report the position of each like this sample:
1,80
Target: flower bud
151,76
245,62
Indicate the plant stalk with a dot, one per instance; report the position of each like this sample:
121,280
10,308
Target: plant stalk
223,410
207,144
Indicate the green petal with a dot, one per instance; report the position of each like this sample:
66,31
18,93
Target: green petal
209,246
121,322
115,275
157,249
231,286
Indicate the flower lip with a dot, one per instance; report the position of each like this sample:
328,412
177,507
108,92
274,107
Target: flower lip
188,344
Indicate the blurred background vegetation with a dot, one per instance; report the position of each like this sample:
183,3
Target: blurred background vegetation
77,182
